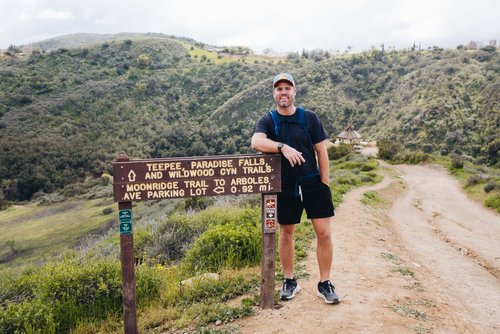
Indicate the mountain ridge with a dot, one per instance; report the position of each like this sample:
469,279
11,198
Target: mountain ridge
65,114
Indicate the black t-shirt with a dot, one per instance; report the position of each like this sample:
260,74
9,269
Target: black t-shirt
292,134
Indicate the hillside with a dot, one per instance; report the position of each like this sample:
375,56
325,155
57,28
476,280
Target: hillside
66,114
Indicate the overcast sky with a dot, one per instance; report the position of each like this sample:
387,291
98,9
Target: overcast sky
282,26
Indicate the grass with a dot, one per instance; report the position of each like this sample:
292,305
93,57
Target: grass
405,271
474,180
419,329
349,172
409,311
194,308
29,233
391,256
371,198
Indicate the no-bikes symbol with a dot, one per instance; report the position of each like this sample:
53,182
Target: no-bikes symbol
270,214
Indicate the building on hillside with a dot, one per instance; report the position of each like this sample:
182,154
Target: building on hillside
349,136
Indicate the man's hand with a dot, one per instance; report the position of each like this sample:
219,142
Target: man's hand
292,155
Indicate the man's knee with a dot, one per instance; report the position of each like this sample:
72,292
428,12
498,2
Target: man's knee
286,232
322,229
324,235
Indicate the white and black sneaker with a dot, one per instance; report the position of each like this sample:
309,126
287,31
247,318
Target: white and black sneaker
326,290
290,289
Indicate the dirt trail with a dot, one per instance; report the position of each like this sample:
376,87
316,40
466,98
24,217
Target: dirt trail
426,260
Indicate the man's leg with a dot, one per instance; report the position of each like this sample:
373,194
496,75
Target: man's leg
324,247
287,249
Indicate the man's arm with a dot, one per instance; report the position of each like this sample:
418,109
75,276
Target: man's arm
323,162
261,143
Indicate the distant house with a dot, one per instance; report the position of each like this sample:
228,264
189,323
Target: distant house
349,136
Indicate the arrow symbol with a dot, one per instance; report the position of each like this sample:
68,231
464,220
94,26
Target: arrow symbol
131,176
219,190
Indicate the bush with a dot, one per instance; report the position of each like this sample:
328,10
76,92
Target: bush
414,157
493,202
388,150
175,235
371,197
489,186
457,161
225,246
473,180
369,165
172,238
55,297
30,316
337,152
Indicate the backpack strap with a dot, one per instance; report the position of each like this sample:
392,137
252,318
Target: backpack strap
277,122
301,119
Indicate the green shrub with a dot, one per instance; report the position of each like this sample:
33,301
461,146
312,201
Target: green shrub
457,161
337,152
29,316
413,157
53,298
388,150
225,246
493,202
142,239
176,234
369,165
371,198
474,179
345,177
491,185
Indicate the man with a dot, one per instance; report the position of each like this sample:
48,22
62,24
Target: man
298,135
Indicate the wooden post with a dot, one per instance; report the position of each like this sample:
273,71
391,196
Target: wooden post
127,262
269,222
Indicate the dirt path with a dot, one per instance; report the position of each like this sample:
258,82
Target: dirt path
425,260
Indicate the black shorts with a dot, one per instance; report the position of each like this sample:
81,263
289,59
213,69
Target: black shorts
316,199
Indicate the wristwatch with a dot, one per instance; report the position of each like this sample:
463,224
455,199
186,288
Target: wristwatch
280,146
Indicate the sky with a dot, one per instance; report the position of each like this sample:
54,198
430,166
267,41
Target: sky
281,26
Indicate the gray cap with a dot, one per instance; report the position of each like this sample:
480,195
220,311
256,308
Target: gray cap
283,77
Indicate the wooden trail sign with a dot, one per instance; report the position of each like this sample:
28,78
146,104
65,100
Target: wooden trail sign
141,180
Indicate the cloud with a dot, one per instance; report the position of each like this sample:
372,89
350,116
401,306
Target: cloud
281,25
51,14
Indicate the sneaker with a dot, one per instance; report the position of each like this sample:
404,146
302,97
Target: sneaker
290,289
326,290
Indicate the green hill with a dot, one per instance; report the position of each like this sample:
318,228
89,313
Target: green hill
65,114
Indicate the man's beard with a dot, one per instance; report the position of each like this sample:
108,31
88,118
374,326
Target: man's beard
285,104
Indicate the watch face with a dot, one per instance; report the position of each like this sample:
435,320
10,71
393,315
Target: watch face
280,146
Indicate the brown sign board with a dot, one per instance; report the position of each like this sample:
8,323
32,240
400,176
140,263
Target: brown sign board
140,180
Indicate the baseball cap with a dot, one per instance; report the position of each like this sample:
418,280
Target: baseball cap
283,77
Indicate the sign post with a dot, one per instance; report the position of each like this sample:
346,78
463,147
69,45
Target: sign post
127,262
164,178
268,266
